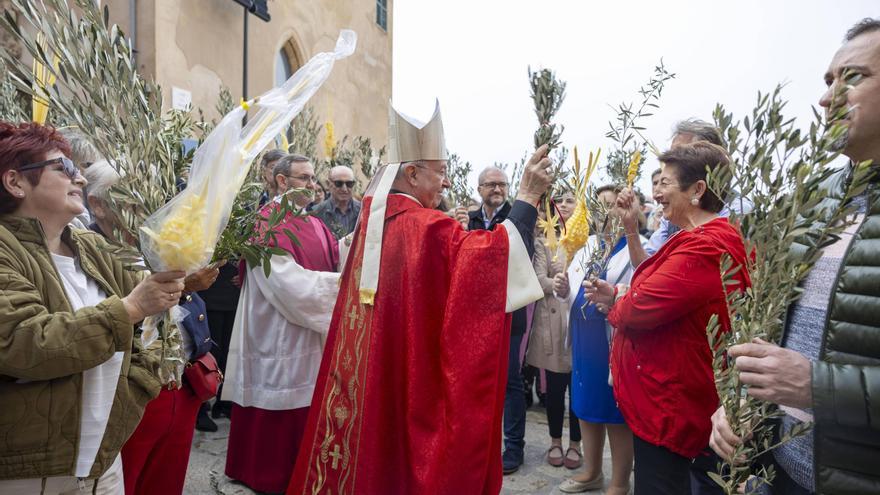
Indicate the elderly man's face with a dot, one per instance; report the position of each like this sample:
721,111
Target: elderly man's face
341,184
861,57
430,181
493,188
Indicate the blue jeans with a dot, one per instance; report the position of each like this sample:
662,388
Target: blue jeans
514,402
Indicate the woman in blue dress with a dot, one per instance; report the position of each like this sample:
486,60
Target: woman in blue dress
591,395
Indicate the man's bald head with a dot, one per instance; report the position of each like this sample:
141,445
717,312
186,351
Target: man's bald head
341,172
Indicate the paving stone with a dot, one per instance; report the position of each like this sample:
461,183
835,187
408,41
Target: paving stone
208,460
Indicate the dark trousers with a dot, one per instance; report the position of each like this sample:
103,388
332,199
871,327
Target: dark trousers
557,383
701,484
659,471
514,402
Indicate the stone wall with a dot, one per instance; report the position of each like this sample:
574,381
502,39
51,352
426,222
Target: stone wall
196,45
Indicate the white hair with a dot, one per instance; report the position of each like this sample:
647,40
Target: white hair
82,151
101,176
340,168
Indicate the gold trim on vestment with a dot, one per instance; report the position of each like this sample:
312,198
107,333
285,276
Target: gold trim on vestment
342,409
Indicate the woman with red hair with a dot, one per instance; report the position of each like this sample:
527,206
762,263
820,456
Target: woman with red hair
73,378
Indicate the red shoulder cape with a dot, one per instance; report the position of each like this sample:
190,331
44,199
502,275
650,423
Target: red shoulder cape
411,390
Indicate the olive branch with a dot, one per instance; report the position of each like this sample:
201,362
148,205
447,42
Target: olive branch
783,171
626,129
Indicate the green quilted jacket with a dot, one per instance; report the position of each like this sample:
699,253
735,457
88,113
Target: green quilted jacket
846,379
45,347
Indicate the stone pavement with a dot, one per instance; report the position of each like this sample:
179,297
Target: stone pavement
205,474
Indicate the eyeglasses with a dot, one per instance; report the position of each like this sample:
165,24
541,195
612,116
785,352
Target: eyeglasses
665,183
347,183
67,166
305,178
493,185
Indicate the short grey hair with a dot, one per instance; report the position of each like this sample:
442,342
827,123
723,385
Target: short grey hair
101,176
271,156
704,131
489,169
283,165
866,25
82,151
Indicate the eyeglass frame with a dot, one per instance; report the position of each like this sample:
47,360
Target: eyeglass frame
492,185
67,166
312,179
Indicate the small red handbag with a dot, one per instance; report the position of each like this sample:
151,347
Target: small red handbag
203,376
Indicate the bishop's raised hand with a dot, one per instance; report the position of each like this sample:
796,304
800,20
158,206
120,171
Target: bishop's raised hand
536,177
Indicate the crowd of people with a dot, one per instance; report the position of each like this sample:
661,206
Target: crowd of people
386,351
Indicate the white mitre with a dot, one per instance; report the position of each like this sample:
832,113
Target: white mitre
408,141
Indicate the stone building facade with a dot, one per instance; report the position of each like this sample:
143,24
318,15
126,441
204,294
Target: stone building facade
196,46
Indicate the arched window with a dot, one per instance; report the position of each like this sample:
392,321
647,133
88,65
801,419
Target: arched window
287,61
283,70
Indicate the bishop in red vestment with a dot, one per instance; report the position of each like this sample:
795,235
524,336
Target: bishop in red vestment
411,388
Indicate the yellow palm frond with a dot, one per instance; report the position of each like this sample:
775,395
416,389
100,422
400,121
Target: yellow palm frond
633,169
329,140
577,227
285,144
43,78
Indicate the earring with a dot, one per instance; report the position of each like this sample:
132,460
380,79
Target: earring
695,201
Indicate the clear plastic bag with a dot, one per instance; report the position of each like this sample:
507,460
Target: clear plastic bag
182,234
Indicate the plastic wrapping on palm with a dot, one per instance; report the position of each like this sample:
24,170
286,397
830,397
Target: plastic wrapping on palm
182,234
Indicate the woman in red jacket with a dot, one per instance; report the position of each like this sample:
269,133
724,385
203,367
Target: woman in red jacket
660,359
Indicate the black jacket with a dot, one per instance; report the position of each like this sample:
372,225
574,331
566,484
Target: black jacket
475,222
223,294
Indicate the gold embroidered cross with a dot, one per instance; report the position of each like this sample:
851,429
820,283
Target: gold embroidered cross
352,317
335,455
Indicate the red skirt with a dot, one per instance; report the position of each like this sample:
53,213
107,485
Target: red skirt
263,446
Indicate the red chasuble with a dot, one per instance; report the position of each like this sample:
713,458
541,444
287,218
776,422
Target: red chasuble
411,390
